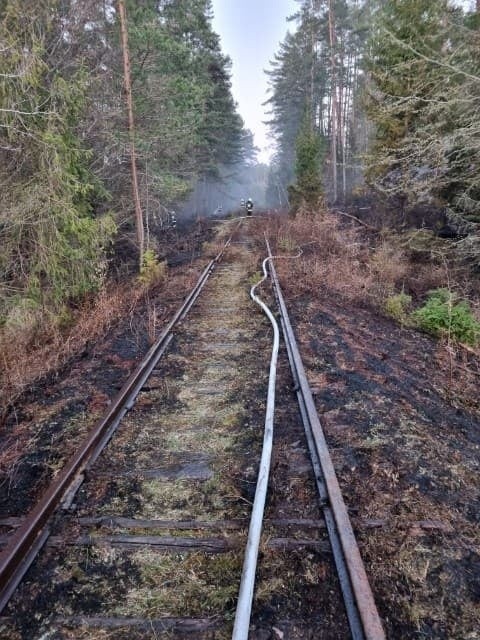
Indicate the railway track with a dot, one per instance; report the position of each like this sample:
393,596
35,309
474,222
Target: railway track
145,532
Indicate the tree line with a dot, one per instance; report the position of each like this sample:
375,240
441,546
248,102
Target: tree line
381,90
65,154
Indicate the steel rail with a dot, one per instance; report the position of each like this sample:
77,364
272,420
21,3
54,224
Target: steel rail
30,537
247,583
362,612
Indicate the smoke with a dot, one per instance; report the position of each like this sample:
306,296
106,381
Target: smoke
225,192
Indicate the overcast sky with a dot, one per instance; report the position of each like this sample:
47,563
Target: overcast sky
251,31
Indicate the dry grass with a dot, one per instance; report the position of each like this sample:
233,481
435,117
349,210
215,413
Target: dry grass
337,258
28,355
345,260
202,585
40,345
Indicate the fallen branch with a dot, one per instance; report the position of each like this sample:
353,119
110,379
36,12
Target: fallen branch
349,215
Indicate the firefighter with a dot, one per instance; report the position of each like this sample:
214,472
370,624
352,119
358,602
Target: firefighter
249,206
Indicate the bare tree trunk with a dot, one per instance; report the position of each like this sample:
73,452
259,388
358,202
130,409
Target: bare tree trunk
321,124
331,26
347,120
131,129
478,6
312,82
341,121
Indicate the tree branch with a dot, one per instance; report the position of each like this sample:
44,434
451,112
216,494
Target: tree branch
439,63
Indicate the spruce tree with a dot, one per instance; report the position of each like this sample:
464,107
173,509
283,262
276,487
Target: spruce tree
307,192
52,246
423,62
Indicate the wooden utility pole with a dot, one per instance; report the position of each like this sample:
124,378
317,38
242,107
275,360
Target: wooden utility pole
331,28
131,129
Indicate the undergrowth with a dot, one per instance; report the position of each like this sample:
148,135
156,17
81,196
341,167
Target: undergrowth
26,356
152,271
337,259
443,315
343,261
397,307
35,341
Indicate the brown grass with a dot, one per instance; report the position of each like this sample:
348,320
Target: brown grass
337,258
343,259
28,355
39,345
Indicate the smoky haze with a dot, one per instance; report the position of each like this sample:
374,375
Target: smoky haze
233,184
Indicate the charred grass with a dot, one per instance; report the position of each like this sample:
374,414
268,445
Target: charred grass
55,385
401,414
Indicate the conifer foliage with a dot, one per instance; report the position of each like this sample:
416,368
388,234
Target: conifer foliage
52,245
64,139
423,100
307,191
392,88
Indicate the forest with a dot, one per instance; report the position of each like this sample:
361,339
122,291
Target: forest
372,106
383,94
192,382
67,209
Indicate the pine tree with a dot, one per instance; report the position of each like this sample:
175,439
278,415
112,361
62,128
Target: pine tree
187,120
402,81
317,69
139,225
292,96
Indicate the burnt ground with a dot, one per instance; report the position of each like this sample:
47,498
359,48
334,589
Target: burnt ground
297,590
55,413
184,463
401,415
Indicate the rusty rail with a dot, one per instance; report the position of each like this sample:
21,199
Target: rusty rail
30,537
363,617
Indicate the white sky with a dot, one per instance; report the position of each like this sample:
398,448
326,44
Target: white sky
251,31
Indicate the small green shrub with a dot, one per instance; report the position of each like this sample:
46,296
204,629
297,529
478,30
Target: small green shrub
152,271
65,318
443,315
397,306
286,243
255,278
